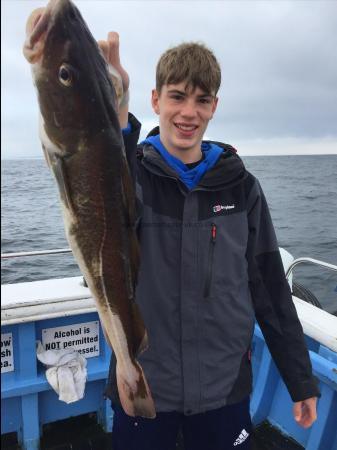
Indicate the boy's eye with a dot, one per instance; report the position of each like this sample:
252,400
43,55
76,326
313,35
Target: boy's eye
177,97
205,101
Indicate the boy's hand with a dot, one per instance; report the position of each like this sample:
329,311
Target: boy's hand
305,412
120,77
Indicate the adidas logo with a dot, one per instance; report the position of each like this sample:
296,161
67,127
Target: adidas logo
242,437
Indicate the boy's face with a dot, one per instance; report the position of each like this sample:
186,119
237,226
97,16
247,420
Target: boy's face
183,118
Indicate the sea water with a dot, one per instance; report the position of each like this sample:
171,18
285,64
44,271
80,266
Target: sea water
301,192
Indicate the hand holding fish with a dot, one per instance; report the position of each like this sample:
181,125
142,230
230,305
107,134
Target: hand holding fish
110,49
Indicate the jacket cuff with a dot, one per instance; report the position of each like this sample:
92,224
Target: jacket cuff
134,123
302,390
132,131
127,130
130,142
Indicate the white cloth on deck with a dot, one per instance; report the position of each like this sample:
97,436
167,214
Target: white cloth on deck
66,372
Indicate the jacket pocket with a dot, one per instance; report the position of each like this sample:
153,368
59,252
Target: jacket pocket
209,273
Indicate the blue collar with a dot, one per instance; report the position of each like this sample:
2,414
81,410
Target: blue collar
190,177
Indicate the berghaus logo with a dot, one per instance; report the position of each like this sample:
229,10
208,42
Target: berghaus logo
218,208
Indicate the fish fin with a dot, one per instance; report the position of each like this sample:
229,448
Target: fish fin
140,334
129,201
46,156
60,171
132,264
129,196
136,400
134,257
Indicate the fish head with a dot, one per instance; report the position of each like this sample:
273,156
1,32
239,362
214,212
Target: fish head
75,92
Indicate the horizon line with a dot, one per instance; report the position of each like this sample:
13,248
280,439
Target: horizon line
34,158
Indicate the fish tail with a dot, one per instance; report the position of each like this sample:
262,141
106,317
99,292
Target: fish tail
134,394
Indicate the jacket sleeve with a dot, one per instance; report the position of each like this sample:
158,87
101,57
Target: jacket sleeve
130,137
274,308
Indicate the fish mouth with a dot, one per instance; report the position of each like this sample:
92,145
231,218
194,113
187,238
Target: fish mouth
37,26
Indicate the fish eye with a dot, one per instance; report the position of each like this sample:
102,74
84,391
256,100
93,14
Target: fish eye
65,76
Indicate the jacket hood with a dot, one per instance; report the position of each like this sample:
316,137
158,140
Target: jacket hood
228,170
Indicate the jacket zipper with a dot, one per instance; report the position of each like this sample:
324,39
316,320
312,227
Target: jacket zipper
208,282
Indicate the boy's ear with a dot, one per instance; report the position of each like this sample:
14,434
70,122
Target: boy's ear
155,101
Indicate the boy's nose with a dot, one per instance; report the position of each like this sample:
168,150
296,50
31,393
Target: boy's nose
188,109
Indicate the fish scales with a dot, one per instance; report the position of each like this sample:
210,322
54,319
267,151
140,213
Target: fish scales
83,146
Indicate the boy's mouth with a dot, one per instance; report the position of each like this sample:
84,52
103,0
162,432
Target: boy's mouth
186,129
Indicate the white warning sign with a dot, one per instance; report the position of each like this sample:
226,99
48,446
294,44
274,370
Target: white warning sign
7,358
83,337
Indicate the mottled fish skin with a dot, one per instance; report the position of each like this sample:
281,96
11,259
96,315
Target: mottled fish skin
83,145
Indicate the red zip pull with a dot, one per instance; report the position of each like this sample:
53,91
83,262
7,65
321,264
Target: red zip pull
213,232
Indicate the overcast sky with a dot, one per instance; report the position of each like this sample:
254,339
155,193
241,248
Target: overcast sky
278,59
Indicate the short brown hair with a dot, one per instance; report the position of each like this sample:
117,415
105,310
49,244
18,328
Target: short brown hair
191,62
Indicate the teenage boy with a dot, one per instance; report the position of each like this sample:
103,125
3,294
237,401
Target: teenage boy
210,265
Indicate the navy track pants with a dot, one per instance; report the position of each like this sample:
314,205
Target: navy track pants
225,428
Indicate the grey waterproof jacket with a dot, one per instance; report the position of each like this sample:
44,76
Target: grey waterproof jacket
210,265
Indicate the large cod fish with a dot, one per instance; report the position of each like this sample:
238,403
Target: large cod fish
83,146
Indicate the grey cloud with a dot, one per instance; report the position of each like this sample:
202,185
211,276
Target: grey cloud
277,59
